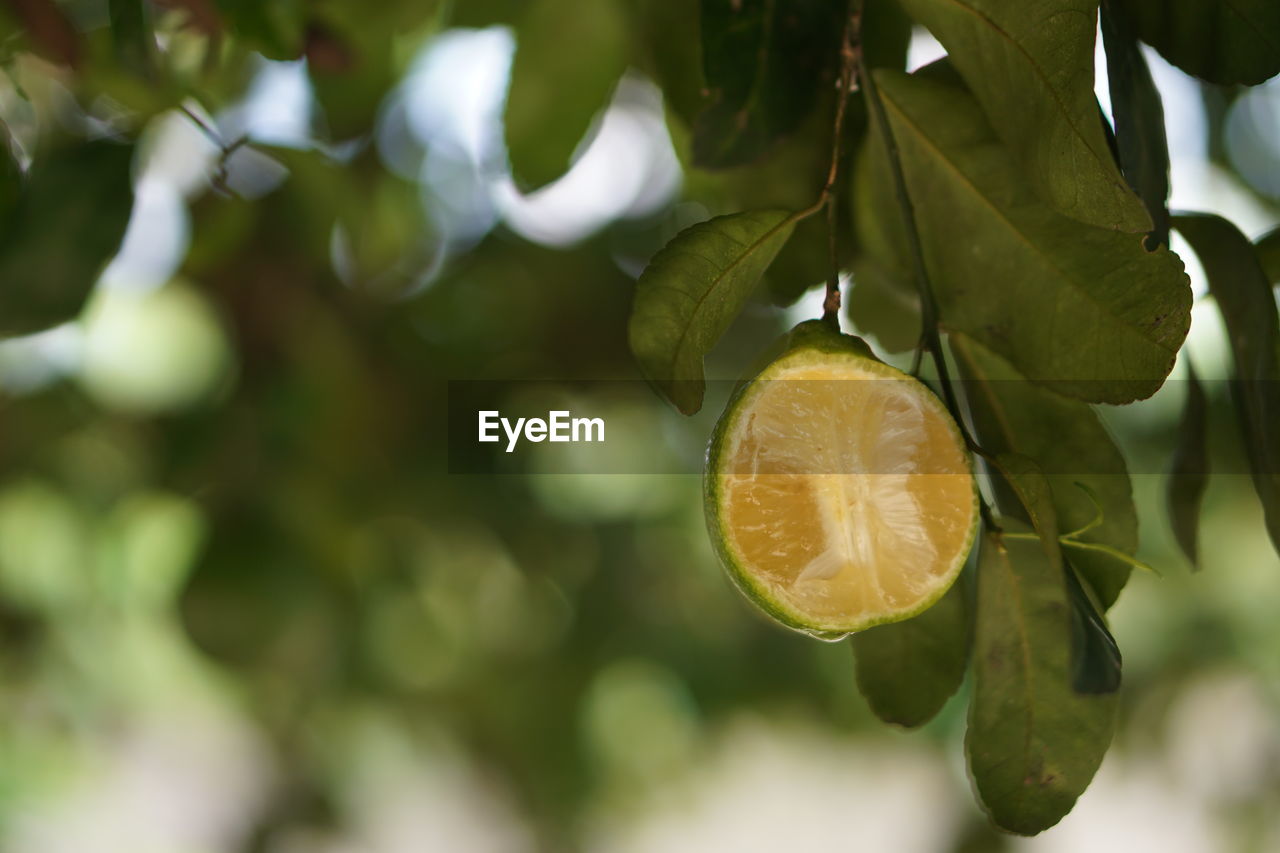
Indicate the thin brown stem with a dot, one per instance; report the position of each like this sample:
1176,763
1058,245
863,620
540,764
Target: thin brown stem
225,149
930,340
844,86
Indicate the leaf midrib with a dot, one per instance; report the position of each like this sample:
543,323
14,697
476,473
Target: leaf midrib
1112,319
716,281
1044,79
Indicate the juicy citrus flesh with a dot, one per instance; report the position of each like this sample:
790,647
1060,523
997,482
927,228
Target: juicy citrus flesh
844,494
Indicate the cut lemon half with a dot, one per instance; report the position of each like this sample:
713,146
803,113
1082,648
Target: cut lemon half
838,489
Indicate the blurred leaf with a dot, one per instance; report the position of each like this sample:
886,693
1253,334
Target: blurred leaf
765,63
1085,309
131,32
1248,307
886,33
1268,249
907,670
356,53
1068,443
66,223
10,176
1030,65
1033,742
692,290
1139,119
1190,472
569,56
272,27
667,50
1222,41
49,31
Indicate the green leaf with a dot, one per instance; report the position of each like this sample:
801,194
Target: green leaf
1083,308
1095,654
569,56
1248,307
1190,472
765,63
882,299
65,224
907,670
1085,470
131,32
1030,65
1034,741
1139,121
1222,41
274,28
692,290
1268,249
351,60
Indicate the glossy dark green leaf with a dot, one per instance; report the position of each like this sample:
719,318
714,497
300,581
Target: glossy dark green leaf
1248,307
765,63
1268,249
907,670
1222,41
275,28
1034,741
1086,309
569,56
1139,120
1095,661
1030,65
1190,471
65,224
692,290
1068,442
135,41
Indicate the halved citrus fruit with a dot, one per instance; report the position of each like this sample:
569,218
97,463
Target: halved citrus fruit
839,491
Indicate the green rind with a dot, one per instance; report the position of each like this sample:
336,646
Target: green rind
815,336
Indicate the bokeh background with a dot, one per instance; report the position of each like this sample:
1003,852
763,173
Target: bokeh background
245,606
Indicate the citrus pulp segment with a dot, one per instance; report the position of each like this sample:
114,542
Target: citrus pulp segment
839,492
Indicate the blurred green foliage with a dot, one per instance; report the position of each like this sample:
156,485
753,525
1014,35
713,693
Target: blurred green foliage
229,488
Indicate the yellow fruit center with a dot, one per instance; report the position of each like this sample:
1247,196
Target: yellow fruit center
845,492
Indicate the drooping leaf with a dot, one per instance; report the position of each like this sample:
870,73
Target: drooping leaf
569,56
1085,470
692,290
1030,65
1095,655
1248,307
907,670
1222,41
1190,471
1268,249
66,222
1139,120
1086,309
765,63
1034,741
